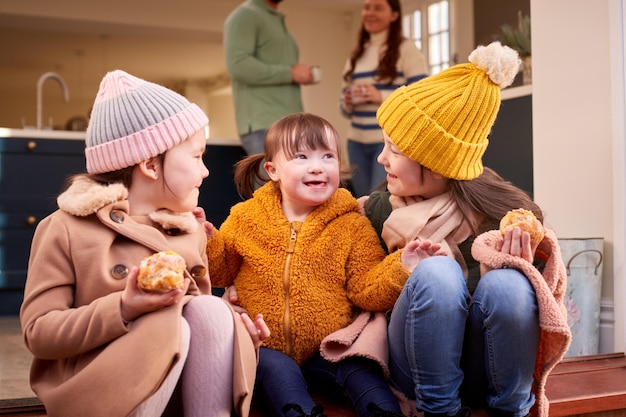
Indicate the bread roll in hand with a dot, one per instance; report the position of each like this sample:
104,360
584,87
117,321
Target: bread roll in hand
162,272
526,221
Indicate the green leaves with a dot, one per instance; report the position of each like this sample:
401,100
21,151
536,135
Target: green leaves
518,38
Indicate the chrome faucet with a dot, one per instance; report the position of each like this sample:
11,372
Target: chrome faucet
40,82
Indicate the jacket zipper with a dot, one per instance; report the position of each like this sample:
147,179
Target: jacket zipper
286,272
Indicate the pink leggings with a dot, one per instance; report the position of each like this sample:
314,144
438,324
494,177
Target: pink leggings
206,363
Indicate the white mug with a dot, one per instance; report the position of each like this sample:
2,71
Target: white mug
359,94
316,71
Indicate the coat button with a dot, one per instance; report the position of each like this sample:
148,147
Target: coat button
198,271
119,271
117,216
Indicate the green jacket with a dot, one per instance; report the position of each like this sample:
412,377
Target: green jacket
260,52
304,277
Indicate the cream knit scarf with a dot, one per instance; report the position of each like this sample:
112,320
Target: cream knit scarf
437,219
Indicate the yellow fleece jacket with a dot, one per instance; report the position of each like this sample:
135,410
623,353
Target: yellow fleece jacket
304,277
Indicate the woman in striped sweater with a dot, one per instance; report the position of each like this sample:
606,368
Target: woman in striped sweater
382,61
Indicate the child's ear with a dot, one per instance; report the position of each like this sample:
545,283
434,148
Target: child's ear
150,168
271,170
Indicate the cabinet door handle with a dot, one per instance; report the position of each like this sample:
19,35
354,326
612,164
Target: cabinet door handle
31,220
31,145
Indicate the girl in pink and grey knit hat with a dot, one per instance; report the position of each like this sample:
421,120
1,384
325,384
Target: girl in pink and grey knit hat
103,346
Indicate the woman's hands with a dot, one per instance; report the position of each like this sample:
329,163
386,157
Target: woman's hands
137,302
361,93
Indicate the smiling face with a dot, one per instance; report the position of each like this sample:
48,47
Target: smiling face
408,178
307,178
377,15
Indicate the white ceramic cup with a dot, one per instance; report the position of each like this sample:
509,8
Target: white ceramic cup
316,71
359,94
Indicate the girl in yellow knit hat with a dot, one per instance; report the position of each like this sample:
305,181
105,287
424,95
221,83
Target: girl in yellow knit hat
456,338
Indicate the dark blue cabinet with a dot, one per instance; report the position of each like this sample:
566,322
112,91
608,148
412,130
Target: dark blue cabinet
218,193
32,174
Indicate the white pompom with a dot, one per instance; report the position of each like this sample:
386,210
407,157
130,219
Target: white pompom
501,63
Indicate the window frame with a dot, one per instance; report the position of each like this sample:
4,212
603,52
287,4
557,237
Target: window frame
423,42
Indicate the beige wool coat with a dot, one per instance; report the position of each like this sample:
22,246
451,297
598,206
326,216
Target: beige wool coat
87,362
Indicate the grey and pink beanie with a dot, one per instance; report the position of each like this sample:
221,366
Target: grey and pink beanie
134,120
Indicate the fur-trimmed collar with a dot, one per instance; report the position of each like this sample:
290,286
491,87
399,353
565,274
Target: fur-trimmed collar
85,196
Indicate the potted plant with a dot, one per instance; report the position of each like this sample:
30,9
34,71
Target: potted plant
519,39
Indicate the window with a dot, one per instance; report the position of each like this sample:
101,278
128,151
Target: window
427,22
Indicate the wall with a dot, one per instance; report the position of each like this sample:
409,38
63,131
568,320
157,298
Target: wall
327,43
578,135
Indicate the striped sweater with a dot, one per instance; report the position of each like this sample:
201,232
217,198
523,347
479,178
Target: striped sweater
411,67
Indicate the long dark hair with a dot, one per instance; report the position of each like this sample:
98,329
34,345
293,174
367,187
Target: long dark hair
387,71
487,198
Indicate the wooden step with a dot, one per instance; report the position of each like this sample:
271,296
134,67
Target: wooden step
587,384
582,386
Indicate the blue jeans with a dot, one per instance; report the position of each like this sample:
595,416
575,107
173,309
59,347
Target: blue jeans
254,142
442,349
368,174
281,381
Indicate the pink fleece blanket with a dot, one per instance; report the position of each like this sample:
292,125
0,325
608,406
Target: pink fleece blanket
549,286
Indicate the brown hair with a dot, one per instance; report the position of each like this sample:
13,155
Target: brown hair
488,197
387,65
290,134
123,176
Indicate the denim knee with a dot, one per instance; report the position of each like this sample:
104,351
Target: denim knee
507,293
439,279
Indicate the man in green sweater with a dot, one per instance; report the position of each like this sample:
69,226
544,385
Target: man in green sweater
262,62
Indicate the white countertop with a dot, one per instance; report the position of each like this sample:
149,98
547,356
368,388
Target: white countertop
65,134
514,92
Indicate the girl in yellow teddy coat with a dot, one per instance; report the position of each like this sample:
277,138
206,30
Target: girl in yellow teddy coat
301,253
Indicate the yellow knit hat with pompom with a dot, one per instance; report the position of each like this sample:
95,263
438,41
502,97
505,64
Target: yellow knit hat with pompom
443,121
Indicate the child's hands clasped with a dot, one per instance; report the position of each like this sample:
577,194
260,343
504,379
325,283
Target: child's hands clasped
137,302
416,250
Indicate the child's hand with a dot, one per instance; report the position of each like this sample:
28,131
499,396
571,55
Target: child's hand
137,302
416,250
258,329
200,215
517,243
231,297
362,200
